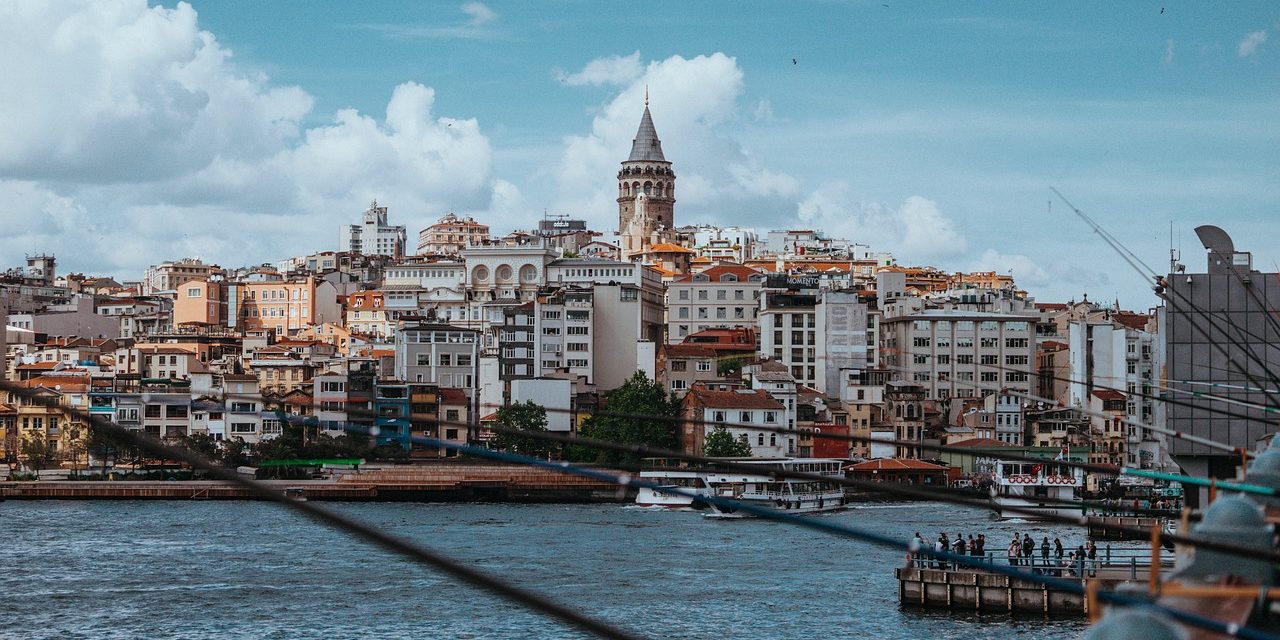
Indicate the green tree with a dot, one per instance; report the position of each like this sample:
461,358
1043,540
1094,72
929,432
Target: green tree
721,444
235,452
201,444
729,367
525,416
38,453
645,410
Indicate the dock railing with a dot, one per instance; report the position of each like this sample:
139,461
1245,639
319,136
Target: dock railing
1121,563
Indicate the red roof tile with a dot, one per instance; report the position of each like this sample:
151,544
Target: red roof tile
1107,394
745,399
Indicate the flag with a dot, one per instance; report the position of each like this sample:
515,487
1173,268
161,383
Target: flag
1062,455
1035,470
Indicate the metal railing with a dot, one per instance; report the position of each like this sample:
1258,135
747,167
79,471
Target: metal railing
1130,559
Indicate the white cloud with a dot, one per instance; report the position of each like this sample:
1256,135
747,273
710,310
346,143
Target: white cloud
479,13
1251,43
122,91
916,230
170,149
1168,51
1043,273
613,70
693,100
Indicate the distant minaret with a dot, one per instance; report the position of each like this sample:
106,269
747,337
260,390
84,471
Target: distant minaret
645,172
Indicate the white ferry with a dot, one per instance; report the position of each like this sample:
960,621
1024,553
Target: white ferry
676,489
1039,490
793,495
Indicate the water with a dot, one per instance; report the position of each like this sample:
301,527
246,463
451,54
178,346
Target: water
252,570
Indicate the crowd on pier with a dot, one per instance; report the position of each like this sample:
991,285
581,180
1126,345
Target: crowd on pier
1048,557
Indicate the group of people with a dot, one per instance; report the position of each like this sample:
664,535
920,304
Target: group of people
1053,556
971,546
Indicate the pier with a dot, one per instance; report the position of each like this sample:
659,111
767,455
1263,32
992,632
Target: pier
434,483
923,584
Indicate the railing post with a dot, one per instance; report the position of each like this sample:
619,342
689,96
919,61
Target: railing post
1133,567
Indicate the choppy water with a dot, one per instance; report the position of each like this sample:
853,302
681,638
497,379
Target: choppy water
252,570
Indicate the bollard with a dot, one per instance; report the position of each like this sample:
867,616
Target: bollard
1133,568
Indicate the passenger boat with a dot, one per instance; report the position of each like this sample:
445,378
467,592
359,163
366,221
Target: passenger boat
792,495
1044,489
676,489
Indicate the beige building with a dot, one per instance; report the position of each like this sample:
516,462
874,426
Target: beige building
451,234
724,296
168,276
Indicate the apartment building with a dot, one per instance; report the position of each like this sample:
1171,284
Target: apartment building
704,409
439,354
818,335
451,234
961,354
373,236
722,297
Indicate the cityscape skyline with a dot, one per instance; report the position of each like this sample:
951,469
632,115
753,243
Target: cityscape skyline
216,121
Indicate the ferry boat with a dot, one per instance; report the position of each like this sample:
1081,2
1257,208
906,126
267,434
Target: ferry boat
793,495
676,489
1044,489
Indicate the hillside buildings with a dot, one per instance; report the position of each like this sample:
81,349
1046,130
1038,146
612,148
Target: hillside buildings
373,236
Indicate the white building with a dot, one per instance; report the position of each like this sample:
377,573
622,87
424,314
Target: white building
818,335
373,236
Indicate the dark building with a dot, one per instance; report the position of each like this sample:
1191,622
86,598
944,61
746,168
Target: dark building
1220,327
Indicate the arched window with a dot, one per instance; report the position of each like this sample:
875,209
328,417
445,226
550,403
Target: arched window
648,188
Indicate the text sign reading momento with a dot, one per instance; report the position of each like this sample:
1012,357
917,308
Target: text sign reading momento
792,282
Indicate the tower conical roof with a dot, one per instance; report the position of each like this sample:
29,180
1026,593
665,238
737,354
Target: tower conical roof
646,146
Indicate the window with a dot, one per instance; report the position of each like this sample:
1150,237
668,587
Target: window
1019,343
152,411
577,331
990,376
718,416
627,294
920,342
744,416
551,331
988,325
990,343
242,427
704,365
576,363
683,313
175,411
990,360
446,359
424,359
576,346
683,295
679,365
451,415
1015,359
964,359
679,385
770,417
194,292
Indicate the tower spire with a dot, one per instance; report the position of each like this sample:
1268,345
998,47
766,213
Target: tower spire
646,96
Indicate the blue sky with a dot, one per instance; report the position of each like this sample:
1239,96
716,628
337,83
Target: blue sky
933,130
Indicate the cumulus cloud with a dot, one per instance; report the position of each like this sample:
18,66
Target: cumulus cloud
916,230
479,13
1251,43
170,149
610,70
1043,273
121,91
692,100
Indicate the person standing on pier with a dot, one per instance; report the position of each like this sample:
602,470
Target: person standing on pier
1092,552
1015,552
1044,551
1057,550
959,545
1028,549
942,545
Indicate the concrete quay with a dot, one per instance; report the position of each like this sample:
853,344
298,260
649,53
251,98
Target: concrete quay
435,483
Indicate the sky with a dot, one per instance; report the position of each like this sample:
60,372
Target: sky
248,132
